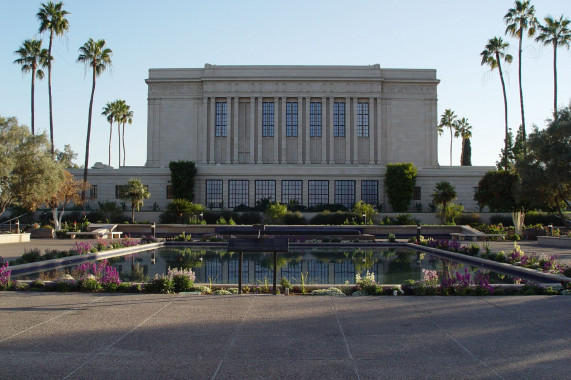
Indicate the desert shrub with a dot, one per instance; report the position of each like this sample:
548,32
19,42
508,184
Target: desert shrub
334,218
30,256
294,218
182,279
405,219
160,284
468,219
327,292
89,285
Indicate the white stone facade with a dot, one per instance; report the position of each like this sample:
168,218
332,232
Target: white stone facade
249,128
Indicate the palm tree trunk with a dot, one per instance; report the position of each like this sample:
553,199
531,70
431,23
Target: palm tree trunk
110,133
119,142
133,214
50,93
450,145
124,144
554,79
505,112
521,96
88,135
33,83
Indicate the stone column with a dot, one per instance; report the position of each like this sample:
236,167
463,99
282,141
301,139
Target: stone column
378,131
229,128
372,131
276,130
212,129
330,132
283,129
235,128
259,159
204,130
307,130
252,127
347,130
355,132
324,130
300,130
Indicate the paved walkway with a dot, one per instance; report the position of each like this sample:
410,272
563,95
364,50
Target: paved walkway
83,335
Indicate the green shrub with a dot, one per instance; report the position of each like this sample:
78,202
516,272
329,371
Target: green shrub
89,285
183,237
328,292
468,219
405,219
182,179
294,218
182,283
392,238
31,256
399,184
160,284
334,218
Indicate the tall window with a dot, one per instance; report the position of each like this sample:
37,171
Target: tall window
345,193
318,193
416,194
265,189
363,119
119,190
291,190
344,271
268,119
315,119
238,193
169,191
370,192
233,271
213,192
291,119
221,119
291,271
93,192
339,119
318,271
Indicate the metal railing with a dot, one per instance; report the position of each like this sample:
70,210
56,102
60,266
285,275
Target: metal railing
8,223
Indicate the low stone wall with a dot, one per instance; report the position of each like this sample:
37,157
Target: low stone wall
14,238
550,241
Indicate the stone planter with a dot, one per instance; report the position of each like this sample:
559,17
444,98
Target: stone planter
552,241
42,233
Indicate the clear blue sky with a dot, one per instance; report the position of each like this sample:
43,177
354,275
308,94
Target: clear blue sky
444,35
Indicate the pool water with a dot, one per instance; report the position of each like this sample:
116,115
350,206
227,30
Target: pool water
317,266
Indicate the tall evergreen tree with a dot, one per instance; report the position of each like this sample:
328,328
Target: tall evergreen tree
492,56
52,19
32,58
519,20
95,55
556,33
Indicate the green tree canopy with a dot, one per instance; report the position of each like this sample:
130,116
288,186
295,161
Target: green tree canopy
135,193
182,206
182,179
399,184
546,170
28,174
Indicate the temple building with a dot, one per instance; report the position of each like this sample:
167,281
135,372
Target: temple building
316,134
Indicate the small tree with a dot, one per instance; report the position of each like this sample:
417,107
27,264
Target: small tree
363,208
399,184
276,211
184,206
444,193
68,191
28,174
135,193
501,191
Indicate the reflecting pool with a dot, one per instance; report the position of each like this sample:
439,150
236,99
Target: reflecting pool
316,265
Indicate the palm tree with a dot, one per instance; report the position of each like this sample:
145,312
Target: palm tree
492,56
95,55
555,32
110,111
122,111
52,18
444,193
464,130
127,118
519,20
135,193
447,119
32,58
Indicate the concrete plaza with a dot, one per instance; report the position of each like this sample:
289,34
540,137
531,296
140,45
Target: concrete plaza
140,336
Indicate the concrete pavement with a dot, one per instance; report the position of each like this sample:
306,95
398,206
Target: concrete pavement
84,335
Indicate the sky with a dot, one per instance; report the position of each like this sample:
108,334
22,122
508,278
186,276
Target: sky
446,35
